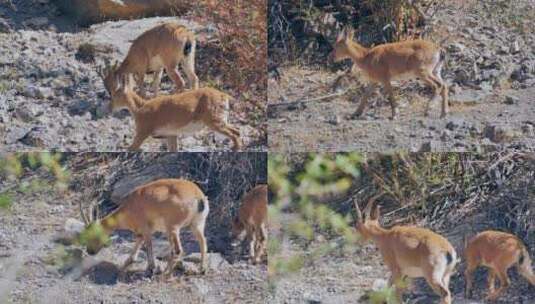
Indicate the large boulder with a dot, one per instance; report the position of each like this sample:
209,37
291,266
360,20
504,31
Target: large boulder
91,11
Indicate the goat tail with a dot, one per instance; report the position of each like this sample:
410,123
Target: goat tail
202,204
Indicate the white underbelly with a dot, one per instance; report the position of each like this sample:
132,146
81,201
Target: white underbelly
159,225
413,272
187,130
404,76
156,63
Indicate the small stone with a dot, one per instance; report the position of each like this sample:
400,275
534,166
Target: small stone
4,26
430,146
25,113
79,107
37,22
38,92
499,134
503,50
515,47
528,129
379,284
511,99
471,96
456,47
103,273
446,135
452,125
335,120
33,138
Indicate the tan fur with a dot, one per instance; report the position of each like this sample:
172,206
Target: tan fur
169,115
165,205
410,251
161,47
402,60
251,222
498,251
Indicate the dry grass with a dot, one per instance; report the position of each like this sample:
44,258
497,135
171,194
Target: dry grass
239,53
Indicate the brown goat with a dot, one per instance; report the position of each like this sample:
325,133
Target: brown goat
172,115
410,252
251,222
498,251
164,46
402,60
165,205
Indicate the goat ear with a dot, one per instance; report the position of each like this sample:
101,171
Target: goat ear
117,83
341,35
115,66
350,33
124,83
376,213
358,213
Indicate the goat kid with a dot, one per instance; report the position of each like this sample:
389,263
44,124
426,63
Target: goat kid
393,61
172,115
250,223
498,251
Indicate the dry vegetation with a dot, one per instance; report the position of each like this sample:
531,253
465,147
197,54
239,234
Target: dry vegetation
241,41
303,30
39,201
454,194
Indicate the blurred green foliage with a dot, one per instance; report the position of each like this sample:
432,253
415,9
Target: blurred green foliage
95,236
15,166
311,204
301,195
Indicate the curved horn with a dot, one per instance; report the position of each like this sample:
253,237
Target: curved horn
357,211
371,201
349,32
341,35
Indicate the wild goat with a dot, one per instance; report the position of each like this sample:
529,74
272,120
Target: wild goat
402,60
409,251
165,205
171,115
164,46
498,251
251,222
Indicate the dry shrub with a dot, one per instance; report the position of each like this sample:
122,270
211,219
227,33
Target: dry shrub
241,44
305,29
223,177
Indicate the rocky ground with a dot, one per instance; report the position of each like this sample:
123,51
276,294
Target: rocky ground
337,272
490,70
344,276
350,277
52,98
35,268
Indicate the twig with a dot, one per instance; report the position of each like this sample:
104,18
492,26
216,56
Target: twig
501,160
300,101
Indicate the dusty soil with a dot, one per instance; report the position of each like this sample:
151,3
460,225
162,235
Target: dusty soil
36,269
491,95
349,277
503,200
52,98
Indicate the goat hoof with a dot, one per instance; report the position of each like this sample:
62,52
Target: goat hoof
149,272
354,116
152,270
